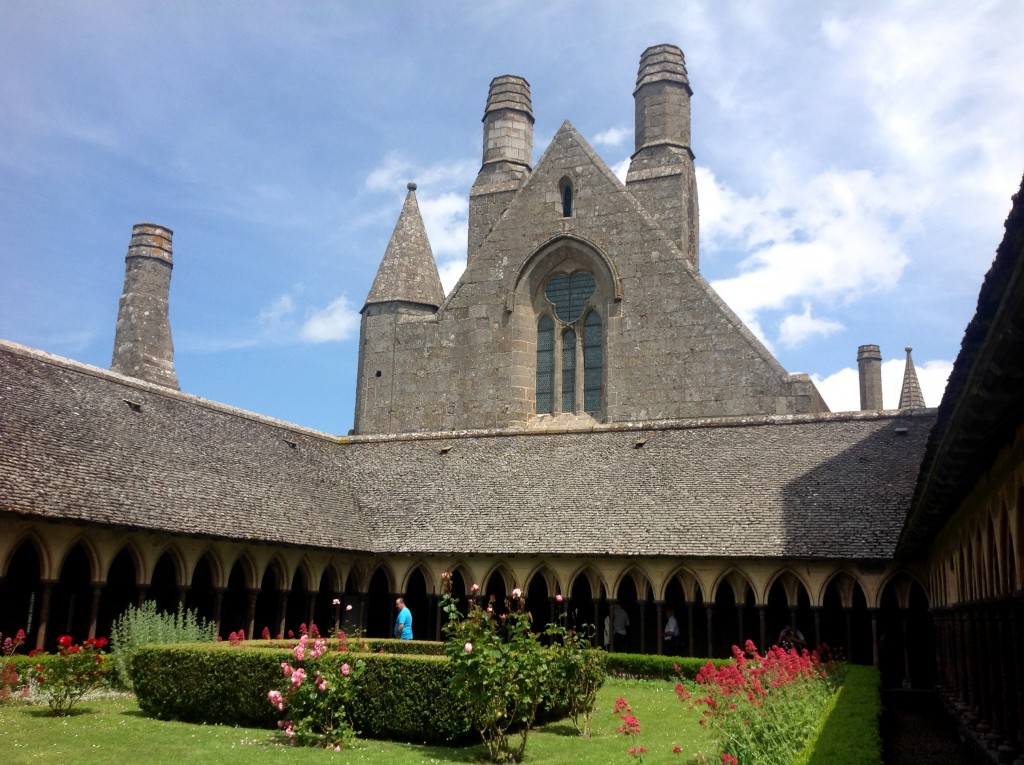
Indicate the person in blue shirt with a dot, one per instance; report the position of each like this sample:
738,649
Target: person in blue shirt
403,624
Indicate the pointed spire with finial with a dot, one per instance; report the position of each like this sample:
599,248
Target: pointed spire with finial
911,396
408,272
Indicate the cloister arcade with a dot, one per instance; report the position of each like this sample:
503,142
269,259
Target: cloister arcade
872,615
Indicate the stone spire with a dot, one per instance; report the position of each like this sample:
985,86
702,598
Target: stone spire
661,172
408,272
911,396
142,340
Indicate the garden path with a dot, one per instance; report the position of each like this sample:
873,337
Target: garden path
916,730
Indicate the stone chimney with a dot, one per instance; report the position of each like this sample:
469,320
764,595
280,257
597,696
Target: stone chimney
661,172
869,364
142,340
507,158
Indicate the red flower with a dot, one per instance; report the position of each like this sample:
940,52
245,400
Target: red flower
677,750
728,759
65,641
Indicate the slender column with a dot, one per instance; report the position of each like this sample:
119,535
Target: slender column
816,610
597,621
906,649
282,612
250,616
762,626
659,608
848,617
739,624
963,681
309,608
711,613
44,611
689,629
875,659
94,611
218,603
643,626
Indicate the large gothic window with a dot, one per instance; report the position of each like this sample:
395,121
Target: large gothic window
564,362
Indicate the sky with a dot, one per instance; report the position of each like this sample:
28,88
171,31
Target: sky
855,163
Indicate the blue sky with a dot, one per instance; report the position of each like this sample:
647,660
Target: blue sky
855,166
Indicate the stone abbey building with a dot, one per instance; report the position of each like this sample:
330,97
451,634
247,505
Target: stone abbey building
581,416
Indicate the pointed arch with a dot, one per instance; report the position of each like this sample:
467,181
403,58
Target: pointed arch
43,554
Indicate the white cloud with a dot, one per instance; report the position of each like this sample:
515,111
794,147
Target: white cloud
451,272
832,238
798,327
445,218
841,390
621,168
280,308
338,321
613,136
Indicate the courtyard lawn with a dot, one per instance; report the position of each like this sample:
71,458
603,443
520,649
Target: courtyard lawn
114,730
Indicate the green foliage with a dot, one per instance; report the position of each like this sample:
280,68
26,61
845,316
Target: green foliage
393,646
145,625
75,671
848,733
317,696
410,698
402,697
577,673
637,666
501,670
763,709
207,683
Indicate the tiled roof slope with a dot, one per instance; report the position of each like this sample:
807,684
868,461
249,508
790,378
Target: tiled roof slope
71,448
814,486
809,486
983,406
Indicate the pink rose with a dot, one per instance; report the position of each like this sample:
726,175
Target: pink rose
345,669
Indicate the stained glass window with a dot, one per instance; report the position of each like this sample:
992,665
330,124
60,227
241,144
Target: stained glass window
545,364
569,294
592,363
569,372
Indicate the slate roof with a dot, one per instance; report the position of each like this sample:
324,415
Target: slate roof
72,448
983,406
825,486
807,486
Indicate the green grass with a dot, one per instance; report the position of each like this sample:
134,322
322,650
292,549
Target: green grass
114,730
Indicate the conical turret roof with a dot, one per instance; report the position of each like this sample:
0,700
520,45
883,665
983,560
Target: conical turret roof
911,396
408,272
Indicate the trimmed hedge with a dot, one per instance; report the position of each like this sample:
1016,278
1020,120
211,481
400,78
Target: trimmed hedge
848,733
638,666
399,697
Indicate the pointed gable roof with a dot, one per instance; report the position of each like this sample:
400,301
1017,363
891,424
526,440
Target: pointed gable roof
911,396
408,272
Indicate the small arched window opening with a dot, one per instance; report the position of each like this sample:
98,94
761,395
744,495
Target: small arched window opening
565,186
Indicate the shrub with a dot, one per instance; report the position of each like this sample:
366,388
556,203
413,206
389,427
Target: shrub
501,671
72,673
145,625
763,710
11,682
317,696
577,673
636,666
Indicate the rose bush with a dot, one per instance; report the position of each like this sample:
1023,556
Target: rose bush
75,671
317,695
501,670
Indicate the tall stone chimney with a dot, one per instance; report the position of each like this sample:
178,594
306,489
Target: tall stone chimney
869,365
507,158
142,340
661,172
